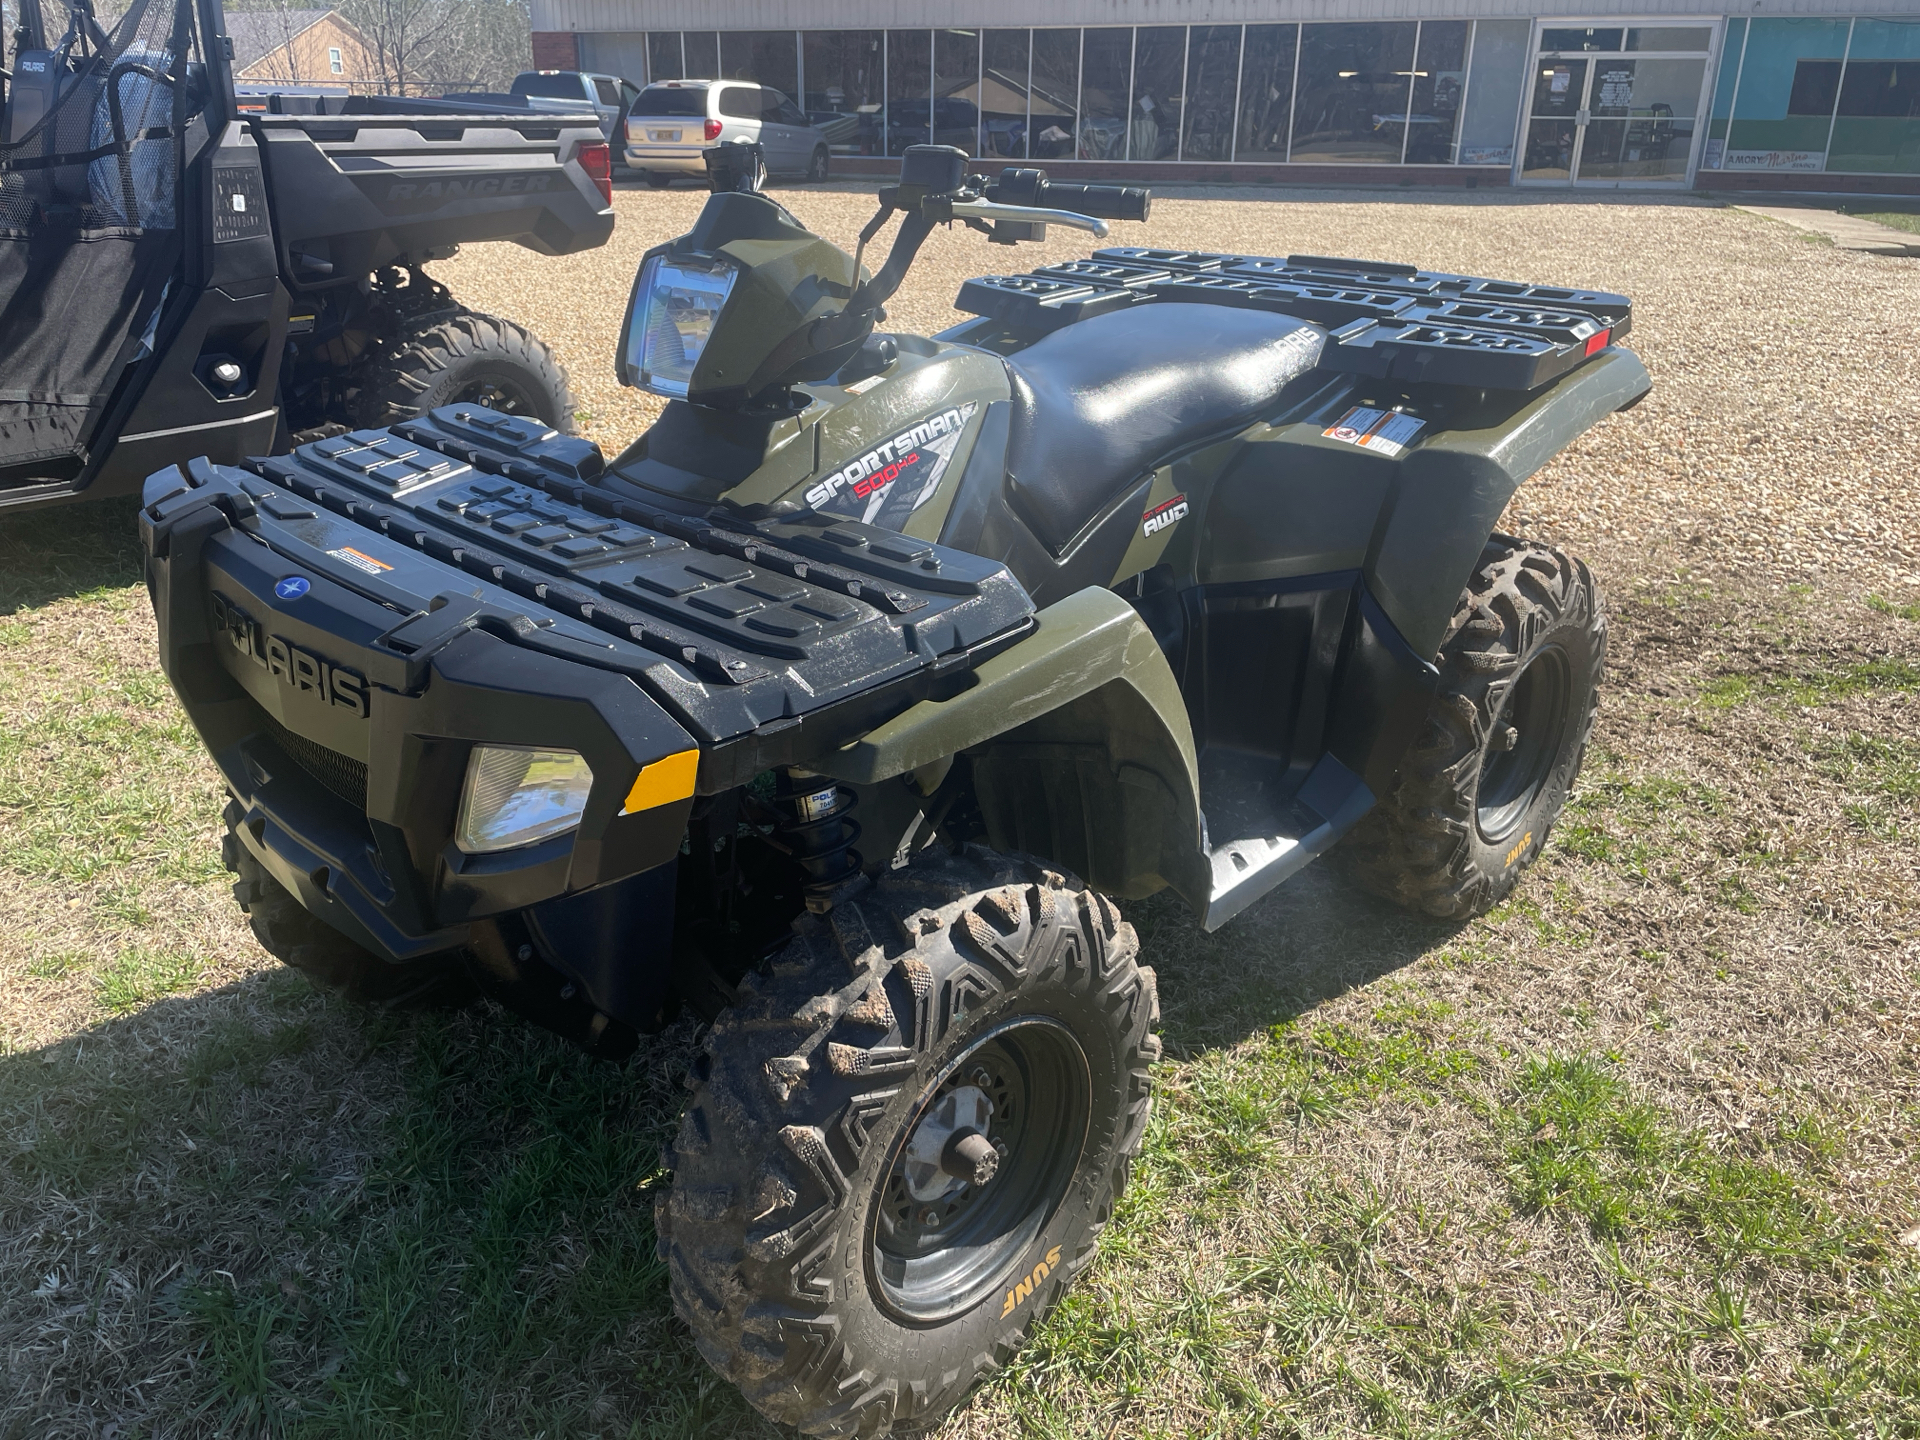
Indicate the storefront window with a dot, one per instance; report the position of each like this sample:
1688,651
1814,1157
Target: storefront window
703,54
1496,76
1004,59
663,56
1350,107
1213,70
909,114
1439,77
1159,63
1783,114
1877,129
767,57
1052,122
843,87
1723,88
1106,77
615,53
956,89
1266,92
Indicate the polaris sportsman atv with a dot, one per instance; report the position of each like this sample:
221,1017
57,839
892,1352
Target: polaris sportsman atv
1167,569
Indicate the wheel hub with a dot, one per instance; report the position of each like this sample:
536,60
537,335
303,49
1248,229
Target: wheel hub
951,1147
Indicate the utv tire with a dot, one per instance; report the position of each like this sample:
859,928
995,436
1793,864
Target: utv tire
820,166
1477,793
291,934
846,1283
474,358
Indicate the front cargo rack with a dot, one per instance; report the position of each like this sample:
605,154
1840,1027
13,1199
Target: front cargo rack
1387,321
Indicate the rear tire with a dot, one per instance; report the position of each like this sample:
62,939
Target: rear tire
797,1232
819,166
472,358
297,938
657,181
1477,793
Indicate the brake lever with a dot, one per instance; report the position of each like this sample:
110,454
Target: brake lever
1032,215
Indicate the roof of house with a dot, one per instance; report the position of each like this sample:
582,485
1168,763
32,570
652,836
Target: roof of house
258,33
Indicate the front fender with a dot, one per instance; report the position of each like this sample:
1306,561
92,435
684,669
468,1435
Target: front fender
1081,749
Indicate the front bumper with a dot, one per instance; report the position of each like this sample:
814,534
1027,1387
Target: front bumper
343,625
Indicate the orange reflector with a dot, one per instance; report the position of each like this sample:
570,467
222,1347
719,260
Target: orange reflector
1599,342
663,782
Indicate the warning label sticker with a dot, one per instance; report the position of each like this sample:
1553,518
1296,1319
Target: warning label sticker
359,562
1388,431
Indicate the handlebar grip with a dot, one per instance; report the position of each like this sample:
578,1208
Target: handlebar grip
1103,202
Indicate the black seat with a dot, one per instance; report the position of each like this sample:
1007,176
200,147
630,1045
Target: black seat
1098,404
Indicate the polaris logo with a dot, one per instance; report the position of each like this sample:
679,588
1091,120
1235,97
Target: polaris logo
301,671
464,189
1162,516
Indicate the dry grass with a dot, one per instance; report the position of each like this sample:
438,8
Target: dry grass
1631,1155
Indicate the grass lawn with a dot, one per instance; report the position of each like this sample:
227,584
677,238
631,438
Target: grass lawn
1631,1155
1898,219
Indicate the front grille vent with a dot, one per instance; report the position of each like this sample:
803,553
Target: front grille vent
342,774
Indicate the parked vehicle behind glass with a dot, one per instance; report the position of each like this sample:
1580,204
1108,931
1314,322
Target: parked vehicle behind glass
672,121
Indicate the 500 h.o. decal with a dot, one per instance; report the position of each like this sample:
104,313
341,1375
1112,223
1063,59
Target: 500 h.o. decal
895,478
299,670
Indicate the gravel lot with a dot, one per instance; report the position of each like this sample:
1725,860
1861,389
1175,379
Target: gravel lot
1631,1155
1780,439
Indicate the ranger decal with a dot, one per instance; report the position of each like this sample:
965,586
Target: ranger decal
895,478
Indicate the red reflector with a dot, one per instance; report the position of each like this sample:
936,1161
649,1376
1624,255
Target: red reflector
597,160
713,129
1600,341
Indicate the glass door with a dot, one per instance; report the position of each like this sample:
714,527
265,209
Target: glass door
1615,104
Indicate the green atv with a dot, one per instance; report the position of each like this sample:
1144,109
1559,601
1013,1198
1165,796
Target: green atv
1165,570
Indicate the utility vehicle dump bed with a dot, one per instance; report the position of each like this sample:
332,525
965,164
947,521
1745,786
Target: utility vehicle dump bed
370,179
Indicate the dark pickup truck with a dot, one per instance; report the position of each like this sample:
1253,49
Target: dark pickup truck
186,272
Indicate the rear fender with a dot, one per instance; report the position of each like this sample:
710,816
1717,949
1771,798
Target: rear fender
1081,750
1450,492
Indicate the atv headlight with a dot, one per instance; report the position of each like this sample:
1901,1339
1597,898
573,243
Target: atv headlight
675,307
516,795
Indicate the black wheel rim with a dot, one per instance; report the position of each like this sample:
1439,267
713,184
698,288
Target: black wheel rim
924,1269
1523,744
496,392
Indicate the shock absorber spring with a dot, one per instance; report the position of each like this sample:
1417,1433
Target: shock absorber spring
815,828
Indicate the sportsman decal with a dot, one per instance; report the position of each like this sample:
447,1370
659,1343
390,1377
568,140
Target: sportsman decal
1163,516
895,478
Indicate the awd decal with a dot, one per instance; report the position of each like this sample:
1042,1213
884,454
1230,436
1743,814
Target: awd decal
1163,516
301,671
1020,1293
895,478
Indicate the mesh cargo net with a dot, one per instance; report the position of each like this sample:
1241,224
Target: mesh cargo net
89,187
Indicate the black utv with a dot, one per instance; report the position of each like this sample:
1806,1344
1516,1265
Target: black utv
186,272
847,704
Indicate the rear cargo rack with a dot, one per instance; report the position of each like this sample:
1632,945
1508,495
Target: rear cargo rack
1386,321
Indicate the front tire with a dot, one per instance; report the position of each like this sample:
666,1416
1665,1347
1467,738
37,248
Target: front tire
845,1240
472,358
819,166
1477,793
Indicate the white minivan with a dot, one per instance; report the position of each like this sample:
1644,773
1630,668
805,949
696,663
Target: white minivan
672,121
